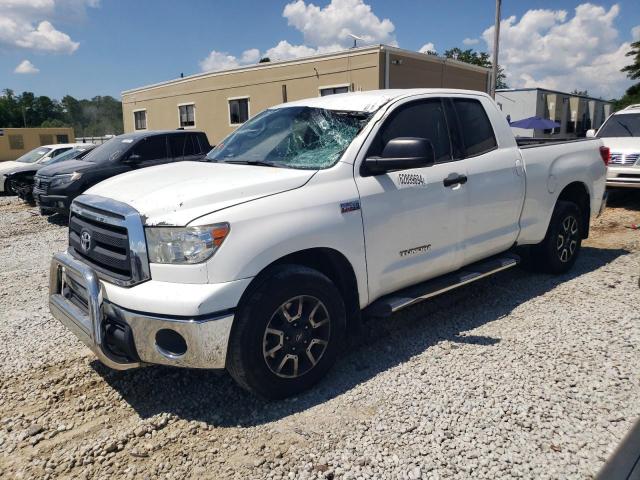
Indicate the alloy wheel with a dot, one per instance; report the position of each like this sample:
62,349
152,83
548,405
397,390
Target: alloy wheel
296,336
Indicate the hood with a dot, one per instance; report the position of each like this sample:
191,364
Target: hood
22,167
177,193
622,144
68,166
6,167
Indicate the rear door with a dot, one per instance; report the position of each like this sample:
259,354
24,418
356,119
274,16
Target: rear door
413,222
495,181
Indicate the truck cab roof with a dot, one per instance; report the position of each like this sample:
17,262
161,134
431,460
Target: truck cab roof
371,100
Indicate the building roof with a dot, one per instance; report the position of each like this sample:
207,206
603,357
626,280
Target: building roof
531,89
370,100
309,59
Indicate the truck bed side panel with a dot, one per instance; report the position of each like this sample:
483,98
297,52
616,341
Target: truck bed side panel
549,169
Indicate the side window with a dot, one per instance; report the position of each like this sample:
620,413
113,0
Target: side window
176,142
59,151
476,130
422,119
189,148
151,148
203,142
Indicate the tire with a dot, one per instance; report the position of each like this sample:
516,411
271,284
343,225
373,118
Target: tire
560,248
47,211
287,332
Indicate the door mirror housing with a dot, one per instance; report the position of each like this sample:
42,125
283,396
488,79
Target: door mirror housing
591,133
133,158
402,153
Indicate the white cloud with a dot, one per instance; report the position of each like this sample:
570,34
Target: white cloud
26,67
324,30
28,24
547,48
635,33
333,23
470,41
427,47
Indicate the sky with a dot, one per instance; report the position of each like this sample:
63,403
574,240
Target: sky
101,47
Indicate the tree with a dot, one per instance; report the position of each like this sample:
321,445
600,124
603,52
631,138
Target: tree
264,60
482,59
584,93
632,95
96,117
633,70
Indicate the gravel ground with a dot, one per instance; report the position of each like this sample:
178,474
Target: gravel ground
519,375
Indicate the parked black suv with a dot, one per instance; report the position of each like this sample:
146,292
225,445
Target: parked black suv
56,186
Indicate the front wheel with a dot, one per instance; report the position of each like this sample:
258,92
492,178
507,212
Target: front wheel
287,332
560,248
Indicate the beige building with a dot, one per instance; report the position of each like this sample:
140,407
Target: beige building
217,102
15,142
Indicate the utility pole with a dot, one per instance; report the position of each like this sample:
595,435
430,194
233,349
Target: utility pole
24,117
496,42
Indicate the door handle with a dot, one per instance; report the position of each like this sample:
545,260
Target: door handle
454,179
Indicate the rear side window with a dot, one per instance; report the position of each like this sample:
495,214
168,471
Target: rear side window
476,130
191,146
176,141
422,119
151,148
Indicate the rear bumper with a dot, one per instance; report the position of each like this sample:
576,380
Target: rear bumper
142,336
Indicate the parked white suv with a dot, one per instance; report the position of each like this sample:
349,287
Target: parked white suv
257,258
621,133
37,156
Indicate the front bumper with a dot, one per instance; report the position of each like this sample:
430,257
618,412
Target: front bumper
59,203
627,177
76,300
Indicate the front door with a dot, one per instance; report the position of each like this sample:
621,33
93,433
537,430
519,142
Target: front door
413,219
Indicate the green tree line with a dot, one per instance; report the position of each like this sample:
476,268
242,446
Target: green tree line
101,115
632,95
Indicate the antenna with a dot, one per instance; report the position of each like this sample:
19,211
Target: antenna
355,39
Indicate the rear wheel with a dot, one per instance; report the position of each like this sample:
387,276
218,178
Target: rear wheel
287,332
560,248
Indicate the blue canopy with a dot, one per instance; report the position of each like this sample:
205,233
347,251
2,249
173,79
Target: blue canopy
535,123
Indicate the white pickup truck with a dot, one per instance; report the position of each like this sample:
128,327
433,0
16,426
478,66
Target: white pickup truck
308,215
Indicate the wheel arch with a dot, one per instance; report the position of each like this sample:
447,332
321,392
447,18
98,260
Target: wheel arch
578,193
328,261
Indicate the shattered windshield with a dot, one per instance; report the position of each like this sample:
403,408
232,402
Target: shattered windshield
291,137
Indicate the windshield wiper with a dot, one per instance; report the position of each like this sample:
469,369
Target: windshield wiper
259,163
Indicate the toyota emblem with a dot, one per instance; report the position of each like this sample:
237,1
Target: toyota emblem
85,241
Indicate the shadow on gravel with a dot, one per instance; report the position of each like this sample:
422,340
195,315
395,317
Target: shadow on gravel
379,345
58,219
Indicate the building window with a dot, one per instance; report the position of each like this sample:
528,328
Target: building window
46,139
140,119
187,115
16,142
238,110
62,138
333,90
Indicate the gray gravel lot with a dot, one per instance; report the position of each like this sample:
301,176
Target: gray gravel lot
519,375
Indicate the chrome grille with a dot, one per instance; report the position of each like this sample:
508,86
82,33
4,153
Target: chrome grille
625,160
108,236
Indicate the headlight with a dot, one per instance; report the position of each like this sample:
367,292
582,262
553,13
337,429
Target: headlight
60,180
184,245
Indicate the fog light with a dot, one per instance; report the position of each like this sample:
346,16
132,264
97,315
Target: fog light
170,343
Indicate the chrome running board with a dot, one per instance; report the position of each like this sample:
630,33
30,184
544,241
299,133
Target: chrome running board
389,304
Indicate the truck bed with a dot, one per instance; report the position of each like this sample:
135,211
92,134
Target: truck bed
530,142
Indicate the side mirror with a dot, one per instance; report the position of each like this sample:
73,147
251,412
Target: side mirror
402,153
591,133
133,158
